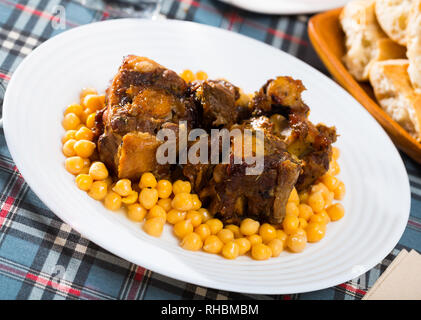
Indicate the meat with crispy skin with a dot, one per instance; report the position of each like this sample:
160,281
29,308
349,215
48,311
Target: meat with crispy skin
143,98
280,99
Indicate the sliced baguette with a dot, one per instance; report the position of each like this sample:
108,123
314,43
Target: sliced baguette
392,16
362,32
414,45
396,95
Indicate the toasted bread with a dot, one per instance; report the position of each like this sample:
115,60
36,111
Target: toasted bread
414,45
395,94
362,31
392,16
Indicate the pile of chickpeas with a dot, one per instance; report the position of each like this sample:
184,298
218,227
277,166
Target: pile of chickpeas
155,203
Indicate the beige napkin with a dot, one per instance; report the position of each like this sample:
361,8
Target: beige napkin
400,281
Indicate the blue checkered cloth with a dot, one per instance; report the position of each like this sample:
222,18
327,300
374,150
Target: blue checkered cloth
36,247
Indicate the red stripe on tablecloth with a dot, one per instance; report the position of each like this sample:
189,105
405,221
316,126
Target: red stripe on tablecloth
414,224
53,284
4,76
275,32
233,18
352,289
6,209
33,11
139,272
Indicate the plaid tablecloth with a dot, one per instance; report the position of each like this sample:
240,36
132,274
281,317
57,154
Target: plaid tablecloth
36,246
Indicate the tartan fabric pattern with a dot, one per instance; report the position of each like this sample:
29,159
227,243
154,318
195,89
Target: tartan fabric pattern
43,258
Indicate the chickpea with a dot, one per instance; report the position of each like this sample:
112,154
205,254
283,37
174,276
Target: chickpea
192,241
85,92
215,225
148,197
276,246
315,231
205,214
225,235
147,181
93,102
77,109
316,201
203,231
183,228
230,250
243,244
195,218
325,216
336,211
339,191
182,201
68,148
201,75
290,224
334,168
261,252
188,76
296,242
84,134
70,121
123,187
70,134
165,203
84,148
84,182
90,120
98,171
164,188
136,212
235,230
255,239
156,211
303,223
112,201
249,226
74,165
213,244
317,218
174,216
305,211
98,190
197,204
154,226
267,232
181,186
281,235
131,198
330,181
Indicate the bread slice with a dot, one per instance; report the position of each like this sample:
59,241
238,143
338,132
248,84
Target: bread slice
387,49
396,95
393,18
362,31
414,45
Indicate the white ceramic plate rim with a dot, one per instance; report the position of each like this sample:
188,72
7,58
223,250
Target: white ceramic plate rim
104,241
287,6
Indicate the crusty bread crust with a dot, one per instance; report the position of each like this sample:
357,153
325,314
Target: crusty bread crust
414,45
392,16
362,31
395,94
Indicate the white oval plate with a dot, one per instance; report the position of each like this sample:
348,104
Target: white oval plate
287,6
377,201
